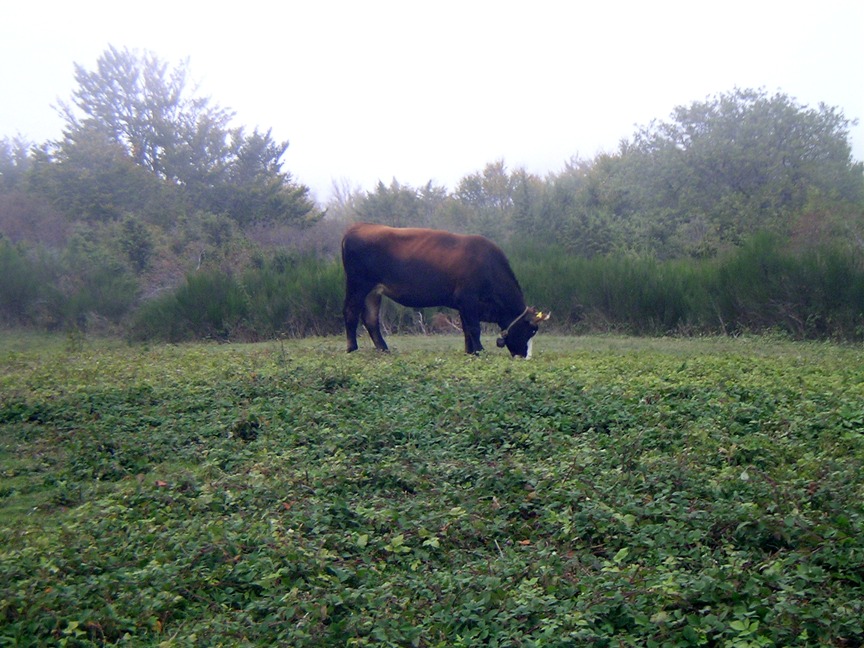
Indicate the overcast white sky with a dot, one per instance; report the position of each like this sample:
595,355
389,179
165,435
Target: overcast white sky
434,90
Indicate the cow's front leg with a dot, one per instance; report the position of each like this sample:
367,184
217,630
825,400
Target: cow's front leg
371,320
471,330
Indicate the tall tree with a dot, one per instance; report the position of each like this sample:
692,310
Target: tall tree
26,215
252,187
576,210
488,195
14,162
743,161
137,102
402,205
90,177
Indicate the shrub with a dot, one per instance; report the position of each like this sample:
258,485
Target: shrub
813,293
18,290
27,291
639,295
294,295
816,292
285,295
211,304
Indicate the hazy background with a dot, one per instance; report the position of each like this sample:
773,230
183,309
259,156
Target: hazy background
420,91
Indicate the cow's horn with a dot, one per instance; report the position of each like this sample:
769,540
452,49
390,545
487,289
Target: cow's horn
541,317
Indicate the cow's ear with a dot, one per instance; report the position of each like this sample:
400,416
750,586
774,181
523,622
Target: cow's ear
500,342
540,316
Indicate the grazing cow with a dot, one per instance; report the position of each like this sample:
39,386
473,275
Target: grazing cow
419,268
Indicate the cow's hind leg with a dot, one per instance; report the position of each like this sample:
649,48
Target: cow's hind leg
354,306
371,320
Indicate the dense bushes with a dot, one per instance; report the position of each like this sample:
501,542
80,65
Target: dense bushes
762,286
812,293
18,292
744,212
49,291
816,292
208,305
285,295
295,295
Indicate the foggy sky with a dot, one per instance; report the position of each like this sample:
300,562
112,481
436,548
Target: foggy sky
420,91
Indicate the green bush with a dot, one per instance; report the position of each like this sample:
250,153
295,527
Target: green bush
639,295
94,281
812,293
294,296
18,290
28,291
211,304
280,296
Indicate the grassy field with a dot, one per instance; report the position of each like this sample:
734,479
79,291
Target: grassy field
609,492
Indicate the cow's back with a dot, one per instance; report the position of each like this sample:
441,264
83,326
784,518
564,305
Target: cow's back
426,267
380,252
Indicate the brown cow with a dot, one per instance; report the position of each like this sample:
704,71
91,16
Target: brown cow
420,268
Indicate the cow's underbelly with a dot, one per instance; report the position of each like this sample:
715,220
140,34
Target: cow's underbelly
414,296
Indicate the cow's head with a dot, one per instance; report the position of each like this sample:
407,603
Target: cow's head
518,336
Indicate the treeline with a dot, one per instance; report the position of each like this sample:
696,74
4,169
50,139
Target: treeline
717,173
153,217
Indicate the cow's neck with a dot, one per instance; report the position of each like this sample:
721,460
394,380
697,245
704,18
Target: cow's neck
506,329
509,313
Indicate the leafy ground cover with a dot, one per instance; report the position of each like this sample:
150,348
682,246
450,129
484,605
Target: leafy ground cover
611,491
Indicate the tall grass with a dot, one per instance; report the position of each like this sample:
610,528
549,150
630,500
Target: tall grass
209,305
19,292
295,296
811,293
816,292
41,290
282,296
639,295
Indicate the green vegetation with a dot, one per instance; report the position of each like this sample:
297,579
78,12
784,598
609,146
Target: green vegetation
611,491
815,294
152,216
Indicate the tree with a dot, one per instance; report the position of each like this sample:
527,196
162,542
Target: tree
90,177
742,162
137,243
488,195
402,205
25,215
136,102
576,208
531,216
14,163
344,200
253,187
